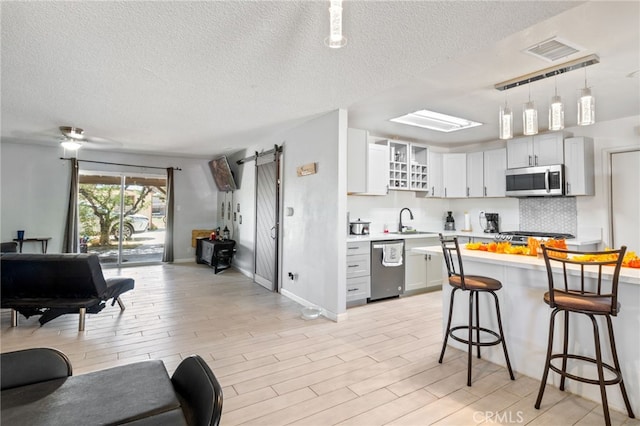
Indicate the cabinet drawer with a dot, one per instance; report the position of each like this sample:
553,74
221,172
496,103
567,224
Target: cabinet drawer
358,265
362,247
358,288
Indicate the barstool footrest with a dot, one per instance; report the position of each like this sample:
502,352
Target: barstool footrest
475,329
558,370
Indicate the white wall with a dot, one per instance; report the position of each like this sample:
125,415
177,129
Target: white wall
607,136
428,213
244,233
313,240
35,184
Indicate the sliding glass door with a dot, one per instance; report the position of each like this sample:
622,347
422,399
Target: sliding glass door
122,217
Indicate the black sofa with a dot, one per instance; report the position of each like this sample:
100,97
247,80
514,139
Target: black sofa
51,285
38,388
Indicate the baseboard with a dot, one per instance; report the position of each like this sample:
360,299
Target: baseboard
324,312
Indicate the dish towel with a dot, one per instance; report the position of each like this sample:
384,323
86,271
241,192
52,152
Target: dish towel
392,254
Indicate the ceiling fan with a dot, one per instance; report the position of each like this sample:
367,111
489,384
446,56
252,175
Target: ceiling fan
73,138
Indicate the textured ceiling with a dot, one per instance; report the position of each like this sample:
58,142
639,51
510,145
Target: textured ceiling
207,77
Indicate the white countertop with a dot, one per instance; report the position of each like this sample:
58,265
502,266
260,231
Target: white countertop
434,234
628,275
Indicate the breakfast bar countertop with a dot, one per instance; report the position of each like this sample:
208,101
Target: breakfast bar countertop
526,317
579,241
627,275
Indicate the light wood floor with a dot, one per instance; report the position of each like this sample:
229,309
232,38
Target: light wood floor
377,368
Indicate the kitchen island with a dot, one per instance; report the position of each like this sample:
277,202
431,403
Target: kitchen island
525,319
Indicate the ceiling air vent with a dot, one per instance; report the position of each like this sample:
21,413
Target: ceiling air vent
553,49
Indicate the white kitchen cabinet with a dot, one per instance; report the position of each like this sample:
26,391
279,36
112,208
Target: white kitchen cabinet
495,165
579,166
422,271
418,167
377,165
398,170
454,175
434,175
367,164
407,166
539,150
358,272
475,174
435,271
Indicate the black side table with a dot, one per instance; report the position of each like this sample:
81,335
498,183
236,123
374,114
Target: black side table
43,240
217,254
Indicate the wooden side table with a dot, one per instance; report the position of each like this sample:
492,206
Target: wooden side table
43,240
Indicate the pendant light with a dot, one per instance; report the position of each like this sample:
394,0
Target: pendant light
556,110
586,105
335,40
529,117
505,122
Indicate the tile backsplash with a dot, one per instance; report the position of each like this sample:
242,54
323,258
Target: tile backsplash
549,214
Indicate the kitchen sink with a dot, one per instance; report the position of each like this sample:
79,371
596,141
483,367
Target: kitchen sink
413,233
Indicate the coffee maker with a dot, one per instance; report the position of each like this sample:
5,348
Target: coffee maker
492,226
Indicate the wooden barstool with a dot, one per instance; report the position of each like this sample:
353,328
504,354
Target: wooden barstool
475,284
584,292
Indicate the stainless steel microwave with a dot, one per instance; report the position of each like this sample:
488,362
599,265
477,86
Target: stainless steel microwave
535,181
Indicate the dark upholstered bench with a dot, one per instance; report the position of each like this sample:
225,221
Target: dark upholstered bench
51,285
38,389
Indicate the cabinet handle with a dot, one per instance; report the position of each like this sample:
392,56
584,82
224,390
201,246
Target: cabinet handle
467,191
485,191
433,192
427,257
530,160
568,188
352,266
353,289
535,159
352,248
445,192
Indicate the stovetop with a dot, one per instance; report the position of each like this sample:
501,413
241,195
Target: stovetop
521,237
555,235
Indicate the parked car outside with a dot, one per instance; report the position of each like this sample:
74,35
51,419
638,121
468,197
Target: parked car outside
133,224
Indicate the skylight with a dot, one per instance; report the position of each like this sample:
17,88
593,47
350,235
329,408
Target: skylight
435,121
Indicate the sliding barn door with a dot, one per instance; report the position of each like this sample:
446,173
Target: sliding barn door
267,232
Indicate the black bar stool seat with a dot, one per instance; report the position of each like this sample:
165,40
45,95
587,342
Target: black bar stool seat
474,284
572,294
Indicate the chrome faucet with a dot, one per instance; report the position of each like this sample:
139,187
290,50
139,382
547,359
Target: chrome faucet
400,227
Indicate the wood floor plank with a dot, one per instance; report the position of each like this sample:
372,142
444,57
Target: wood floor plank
379,367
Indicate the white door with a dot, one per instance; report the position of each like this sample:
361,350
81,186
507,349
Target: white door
267,199
625,199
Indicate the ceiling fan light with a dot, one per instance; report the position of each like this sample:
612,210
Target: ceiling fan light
71,145
556,113
586,108
529,119
505,123
72,132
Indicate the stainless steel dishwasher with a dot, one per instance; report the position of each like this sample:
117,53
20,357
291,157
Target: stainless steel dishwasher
387,281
